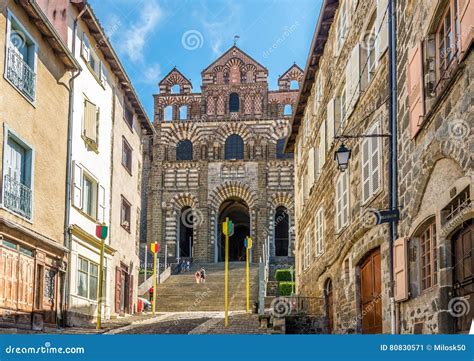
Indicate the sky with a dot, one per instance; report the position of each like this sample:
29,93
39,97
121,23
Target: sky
153,36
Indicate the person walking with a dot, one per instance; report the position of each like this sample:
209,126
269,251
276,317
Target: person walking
197,276
203,275
188,265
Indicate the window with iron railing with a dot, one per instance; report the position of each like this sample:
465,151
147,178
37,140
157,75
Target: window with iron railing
21,58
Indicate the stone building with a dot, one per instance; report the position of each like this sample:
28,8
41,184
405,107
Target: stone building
435,265
34,96
219,153
341,255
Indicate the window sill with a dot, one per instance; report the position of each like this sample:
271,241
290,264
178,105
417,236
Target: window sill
32,102
30,221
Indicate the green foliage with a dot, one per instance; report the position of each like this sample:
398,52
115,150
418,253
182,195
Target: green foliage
283,275
286,288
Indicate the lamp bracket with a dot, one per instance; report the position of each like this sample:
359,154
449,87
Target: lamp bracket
356,136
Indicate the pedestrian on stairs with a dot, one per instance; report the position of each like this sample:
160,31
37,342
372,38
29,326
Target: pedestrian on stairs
203,275
197,276
188,265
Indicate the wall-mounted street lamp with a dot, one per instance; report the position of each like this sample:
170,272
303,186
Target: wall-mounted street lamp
343,154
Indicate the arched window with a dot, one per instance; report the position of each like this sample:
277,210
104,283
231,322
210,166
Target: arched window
176,89
234,147
168,113
234,102
184,150
294,85
183,112
288,110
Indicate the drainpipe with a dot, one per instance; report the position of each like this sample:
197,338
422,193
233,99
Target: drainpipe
392,147
67,216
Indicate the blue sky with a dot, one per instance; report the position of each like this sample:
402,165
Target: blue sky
153,36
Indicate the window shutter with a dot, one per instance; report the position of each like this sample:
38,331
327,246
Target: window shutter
466,24
400,268
77,186
90,120
365,170
339,203
429,69
352,80
381,25
330,121
375,161
103,73
86,47
415,89
101,196
322,146
311,167
345,196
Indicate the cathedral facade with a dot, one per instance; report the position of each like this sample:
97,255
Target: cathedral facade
218,154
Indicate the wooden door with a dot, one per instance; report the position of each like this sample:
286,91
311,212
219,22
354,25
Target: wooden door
118,288
463,278
370,293
329,306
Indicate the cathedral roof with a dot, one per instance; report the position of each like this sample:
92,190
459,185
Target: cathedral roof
234,52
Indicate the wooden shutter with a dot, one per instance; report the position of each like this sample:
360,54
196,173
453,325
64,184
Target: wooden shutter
352,80
90,121
375,160
415,89
466,24
311,170
339,192
101,196
330,122
400,268
381,25
345,198
322,146
365,169
118,288
77,186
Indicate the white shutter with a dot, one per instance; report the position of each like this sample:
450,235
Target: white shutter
330,121
339,203
366,188
375,155
86,47
103,73
381,26
353,80
322,146
77,186
311,167
345,199
101,196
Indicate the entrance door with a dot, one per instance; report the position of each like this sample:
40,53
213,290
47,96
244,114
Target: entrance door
463,247
370,290
329,306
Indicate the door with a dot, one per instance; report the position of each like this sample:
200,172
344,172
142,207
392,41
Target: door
462,305
329,306
118,288
370,293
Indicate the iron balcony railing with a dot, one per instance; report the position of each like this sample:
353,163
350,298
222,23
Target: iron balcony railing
17,197
20,74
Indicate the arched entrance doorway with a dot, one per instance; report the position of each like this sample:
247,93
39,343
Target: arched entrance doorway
238,212
329,305
281,232
185,234
462,303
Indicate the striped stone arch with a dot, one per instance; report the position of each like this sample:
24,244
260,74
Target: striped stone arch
281,199
232,62
231,189
180,131
282,129
233,128
181,200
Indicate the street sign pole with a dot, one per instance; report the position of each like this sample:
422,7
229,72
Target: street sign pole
248,245
154,279
101,232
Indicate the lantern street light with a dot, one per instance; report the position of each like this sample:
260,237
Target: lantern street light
342,156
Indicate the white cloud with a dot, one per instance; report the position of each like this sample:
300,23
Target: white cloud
152,74
134,38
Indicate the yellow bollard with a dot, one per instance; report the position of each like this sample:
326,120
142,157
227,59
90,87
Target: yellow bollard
226,290
154,281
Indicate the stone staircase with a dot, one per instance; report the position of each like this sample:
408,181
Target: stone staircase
181,293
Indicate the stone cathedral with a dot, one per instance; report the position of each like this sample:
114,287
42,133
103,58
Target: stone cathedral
219,153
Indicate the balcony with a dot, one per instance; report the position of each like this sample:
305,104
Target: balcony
20,74
17,197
